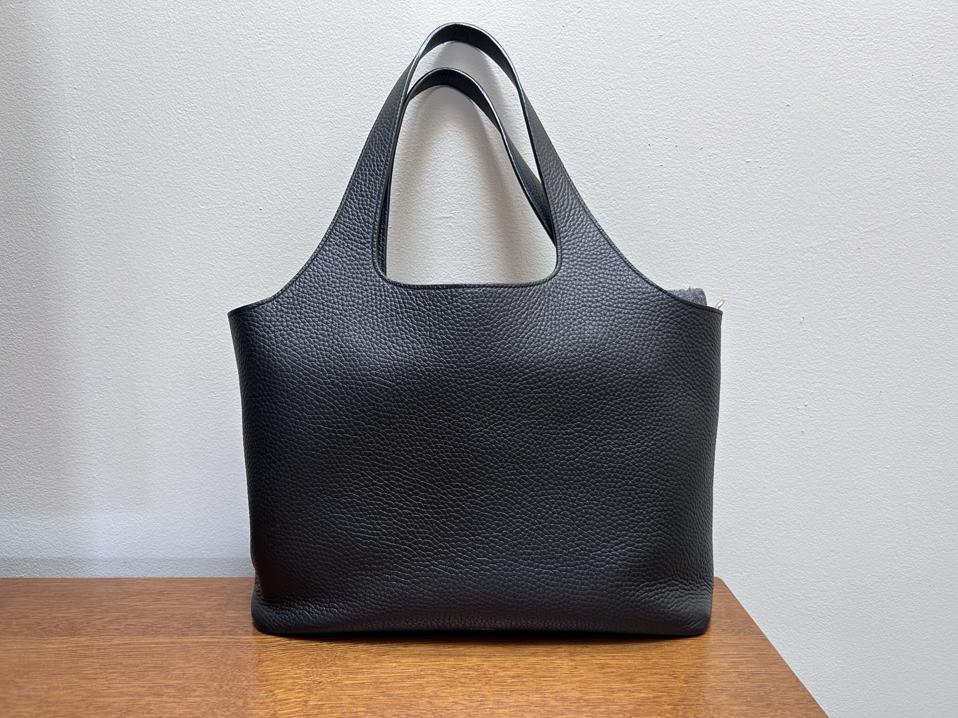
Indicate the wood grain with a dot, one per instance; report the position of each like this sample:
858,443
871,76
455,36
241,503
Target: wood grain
170,647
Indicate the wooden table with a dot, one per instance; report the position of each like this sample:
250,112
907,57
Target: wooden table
142,647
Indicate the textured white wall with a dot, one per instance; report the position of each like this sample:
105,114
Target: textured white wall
162,163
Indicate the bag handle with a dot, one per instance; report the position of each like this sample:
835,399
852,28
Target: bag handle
355,241
538,140
467,86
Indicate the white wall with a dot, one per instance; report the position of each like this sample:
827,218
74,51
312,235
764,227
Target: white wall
162,163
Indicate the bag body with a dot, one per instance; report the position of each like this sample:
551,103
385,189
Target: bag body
529,456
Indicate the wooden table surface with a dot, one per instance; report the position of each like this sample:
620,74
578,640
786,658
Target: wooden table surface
143,647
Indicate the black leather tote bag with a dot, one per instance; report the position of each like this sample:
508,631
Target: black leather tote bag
477,456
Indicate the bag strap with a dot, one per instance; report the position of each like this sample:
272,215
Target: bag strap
355,241
466,85
539,141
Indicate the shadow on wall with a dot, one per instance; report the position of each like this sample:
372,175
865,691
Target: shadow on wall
119,447
41,442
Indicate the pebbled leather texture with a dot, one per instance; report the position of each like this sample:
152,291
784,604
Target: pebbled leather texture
529,456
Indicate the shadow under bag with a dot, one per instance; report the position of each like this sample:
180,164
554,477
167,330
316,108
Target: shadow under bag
477,456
